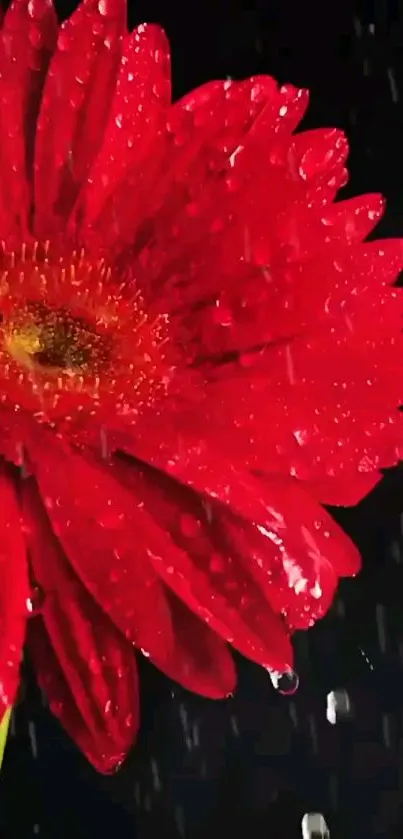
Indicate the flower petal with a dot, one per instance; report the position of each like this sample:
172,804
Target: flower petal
27,40
137,114
200,661
75,106
14,590
199,570
97,663
190,199
347,492
299,585
101,747
279,505
112,563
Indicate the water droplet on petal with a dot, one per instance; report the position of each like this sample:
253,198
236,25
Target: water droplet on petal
217,564
35,601
95,666
189,525
285,683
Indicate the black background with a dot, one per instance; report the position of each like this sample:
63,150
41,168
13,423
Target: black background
255,764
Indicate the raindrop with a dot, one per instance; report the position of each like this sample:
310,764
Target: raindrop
380,623
387,738
137,794
285,683
155,775
35,601
195,734
32,739
184,718
313,732
180,820
337,705
334,790
365,657
235,726
393,86
292,710
313,826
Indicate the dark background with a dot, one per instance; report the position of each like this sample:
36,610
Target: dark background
255,764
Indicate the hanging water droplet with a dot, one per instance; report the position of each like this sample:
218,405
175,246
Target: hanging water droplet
313,826
285,683
35,601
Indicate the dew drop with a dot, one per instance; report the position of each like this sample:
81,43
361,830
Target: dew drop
95,666
285,683
217,564
35,601
189,525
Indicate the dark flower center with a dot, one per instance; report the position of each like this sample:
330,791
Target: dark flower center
77,342
55,340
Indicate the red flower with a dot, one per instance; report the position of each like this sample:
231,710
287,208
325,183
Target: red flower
196,350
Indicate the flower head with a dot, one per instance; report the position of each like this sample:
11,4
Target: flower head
198,348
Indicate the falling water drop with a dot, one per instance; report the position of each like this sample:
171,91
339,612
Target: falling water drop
337,705
313,826
285,683
32,739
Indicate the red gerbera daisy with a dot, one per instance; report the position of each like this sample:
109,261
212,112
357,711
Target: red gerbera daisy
196,350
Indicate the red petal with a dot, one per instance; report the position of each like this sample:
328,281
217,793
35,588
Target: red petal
14,591
200,661
202,132
191,198
28,38
75,106
299,585
138,111
101,532
99,748
217,589
97,664
347,492
279,505
325,228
